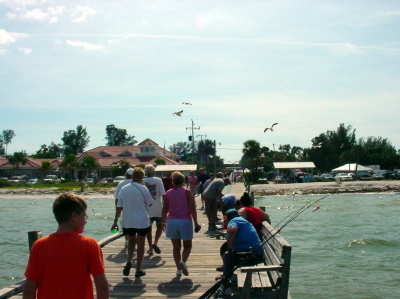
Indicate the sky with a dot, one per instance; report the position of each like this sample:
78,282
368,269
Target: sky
243,65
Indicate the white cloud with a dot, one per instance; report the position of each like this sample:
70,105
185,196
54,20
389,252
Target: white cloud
25,51
49,14
17,3
391,13
84,45
7,38
82,13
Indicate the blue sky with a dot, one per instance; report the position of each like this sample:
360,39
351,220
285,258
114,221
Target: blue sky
308,65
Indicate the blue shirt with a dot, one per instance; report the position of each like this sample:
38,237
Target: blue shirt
229,201
246,236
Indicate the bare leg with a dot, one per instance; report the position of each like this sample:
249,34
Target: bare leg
131,247
140,252
187,248
176,249
150,240
158,232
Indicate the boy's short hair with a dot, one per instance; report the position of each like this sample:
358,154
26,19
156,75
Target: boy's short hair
245,200
178,179
138,174
66,204
149,170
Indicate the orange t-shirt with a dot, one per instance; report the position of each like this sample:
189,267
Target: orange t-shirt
61,265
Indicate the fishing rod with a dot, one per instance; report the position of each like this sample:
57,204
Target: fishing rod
285,221
292,216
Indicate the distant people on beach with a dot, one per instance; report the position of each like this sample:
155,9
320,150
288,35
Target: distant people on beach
202,177
167,181
134,201
156,188
192,183
179,212
60,265
212,196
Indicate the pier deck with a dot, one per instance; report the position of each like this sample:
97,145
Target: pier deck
160,280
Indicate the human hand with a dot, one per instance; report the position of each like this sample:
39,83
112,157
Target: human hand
197,228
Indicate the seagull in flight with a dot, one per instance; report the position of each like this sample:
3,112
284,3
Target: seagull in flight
271,128
186,103
178,113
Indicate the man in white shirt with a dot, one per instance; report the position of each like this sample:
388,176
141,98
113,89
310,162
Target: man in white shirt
134,199
128,179
156,188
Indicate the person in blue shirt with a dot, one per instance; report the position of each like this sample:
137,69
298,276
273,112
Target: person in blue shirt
241,237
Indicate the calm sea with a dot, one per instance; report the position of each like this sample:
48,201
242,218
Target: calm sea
349,248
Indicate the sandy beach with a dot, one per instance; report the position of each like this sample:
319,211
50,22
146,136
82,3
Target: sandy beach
327,187
264,189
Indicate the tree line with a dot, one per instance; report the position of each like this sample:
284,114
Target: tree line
328,150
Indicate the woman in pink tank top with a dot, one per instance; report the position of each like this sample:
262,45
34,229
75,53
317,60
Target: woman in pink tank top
179,210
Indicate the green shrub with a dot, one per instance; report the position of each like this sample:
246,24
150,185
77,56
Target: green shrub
5,183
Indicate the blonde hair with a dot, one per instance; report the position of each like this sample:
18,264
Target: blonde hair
149,170
178,178
138,174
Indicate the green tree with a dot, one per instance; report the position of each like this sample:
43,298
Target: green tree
182,149
45,168
117,136
376,150
87,164
18,158
6,138
75,141
205,149
121,168
50,151
251,159
159,161
69,164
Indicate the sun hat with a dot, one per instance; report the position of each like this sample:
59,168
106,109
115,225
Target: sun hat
129,171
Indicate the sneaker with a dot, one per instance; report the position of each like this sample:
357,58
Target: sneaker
178,273
127,269
184,269
156,249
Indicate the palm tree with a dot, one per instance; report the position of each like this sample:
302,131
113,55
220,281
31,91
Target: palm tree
45,168
18,158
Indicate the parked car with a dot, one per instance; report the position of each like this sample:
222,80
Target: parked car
17,179
118,179
90,180
364,175
326,177
32,181
51,178
344,176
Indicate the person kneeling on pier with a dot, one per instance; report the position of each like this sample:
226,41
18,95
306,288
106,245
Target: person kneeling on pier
243,243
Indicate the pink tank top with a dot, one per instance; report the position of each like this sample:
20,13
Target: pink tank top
178,205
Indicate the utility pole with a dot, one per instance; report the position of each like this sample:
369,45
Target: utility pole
191,138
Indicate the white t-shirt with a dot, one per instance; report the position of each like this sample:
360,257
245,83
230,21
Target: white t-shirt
119,187
156,188
135,200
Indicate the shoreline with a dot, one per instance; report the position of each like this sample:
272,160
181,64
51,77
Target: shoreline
259,190
327,188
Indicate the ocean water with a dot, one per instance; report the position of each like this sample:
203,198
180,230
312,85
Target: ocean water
349,248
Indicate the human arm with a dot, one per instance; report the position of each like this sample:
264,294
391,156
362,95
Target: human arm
231,235
193,211
164,209
101,284
118,211
266,218
30,288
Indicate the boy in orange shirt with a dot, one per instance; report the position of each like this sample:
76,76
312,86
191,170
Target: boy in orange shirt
60,264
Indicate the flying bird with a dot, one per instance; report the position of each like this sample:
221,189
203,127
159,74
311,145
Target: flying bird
271,128
178,113
186,103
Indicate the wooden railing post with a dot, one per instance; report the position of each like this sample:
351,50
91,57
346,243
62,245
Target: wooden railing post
32,237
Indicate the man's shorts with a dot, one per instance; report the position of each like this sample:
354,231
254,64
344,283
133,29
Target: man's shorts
132,231
156,219
179,229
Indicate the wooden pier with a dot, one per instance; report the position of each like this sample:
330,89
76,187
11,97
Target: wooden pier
160,280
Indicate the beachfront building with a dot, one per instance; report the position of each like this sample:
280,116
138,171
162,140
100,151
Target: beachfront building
291,172
33,168
146,152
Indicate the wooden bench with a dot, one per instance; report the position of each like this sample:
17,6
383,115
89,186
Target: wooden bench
270,279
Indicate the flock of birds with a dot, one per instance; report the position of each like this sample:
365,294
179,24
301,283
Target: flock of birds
179,113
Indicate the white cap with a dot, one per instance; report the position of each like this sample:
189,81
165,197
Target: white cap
129,171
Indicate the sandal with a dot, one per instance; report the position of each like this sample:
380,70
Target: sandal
127,269
156,249
140,273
